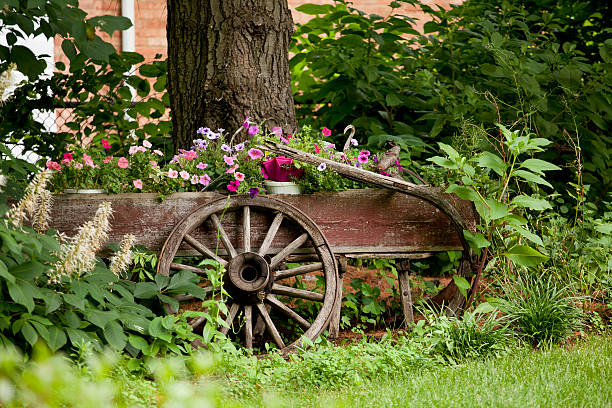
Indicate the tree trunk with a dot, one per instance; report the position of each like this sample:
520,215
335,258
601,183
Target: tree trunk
228,59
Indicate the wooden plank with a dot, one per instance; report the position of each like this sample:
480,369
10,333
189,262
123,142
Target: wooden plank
354,221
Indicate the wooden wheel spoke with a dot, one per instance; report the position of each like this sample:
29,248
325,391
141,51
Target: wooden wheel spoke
248,326
193,269
300,270
203,250
246,228
265,247
270,326
296,293
230,317
223,235
287,311
288,250
197,321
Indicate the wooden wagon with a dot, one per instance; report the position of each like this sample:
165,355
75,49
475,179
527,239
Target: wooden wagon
281,253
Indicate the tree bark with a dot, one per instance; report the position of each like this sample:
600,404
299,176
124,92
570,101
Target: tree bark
228,59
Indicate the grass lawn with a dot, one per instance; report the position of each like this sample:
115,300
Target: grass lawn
580,376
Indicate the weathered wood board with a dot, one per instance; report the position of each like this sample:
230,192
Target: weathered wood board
355,222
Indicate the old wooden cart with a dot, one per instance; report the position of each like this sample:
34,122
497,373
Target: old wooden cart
287,253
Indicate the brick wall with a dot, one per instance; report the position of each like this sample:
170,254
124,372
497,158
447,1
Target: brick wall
151,15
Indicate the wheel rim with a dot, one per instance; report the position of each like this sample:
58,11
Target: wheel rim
255,239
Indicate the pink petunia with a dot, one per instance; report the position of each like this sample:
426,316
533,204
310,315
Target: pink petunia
277,131
184,175
88,161
229,160
133,150
67,158
53,165
108,159
157,152
123,163
233,185
253,130
138,184
147,144
189,155
246,123
195,179
231,169
317,148
239,176
205,180
202,166
365,153
78,166
106,144
326,132
362,158
331,146
172,173
255,154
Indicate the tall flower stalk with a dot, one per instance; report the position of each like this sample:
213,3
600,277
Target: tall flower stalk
123,259
78,255
35,205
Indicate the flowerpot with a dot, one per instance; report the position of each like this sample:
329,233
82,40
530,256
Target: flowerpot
283,187
84,191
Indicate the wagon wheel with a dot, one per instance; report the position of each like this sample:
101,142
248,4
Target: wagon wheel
281,274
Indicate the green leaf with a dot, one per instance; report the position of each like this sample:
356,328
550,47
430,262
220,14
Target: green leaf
476,240
485,307
529,176
29,333
393,100
497,209
527,234
539,166
101,318
604,228
493,162
22,293
525,256
462,284
314,9
157,330
145,290
72,319
138,342
531,203
113,333
450,152
74,300
5,273
57,338
464,192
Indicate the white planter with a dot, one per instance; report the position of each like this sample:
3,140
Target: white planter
282,187
84,191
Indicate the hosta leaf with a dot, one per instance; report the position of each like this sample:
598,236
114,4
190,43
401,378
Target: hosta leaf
113,333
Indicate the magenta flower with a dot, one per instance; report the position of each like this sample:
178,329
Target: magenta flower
331,146
253,191
255,154
184,175
202,166
172,173
123,163
246,123
253,130
277,131
106,144
322,167
138,184
365,153
233,185
362,158
67,158
326,132
205,180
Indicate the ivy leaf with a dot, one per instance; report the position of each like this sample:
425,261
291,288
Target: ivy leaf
525,256
531,203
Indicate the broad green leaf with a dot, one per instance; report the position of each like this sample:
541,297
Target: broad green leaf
529,176
485,307
604,228
462,284
527,234
5,273
21,292
450,152
74,300
314,9
101,318
393,99
138,342
476,240
157,330
531,203
29,333
57,338
443,162
113,333
497,209
41,329
525,256
72,319
539,166
464,192
145,290
493,162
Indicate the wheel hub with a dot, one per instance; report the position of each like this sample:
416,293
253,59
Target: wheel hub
248,274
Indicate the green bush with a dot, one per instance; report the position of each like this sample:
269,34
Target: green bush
541,311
